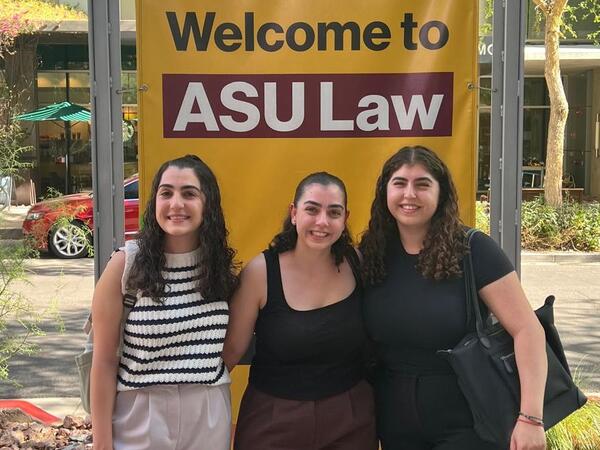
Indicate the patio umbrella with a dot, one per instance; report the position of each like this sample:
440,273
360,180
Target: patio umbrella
66,112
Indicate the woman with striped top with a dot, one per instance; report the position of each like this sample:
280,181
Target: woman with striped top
169,389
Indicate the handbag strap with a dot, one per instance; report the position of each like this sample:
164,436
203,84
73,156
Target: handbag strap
472,298
129,300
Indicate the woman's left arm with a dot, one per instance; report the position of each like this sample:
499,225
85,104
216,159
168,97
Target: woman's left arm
506,299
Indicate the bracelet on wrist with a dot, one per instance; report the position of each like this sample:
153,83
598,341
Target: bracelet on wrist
535,420
529,422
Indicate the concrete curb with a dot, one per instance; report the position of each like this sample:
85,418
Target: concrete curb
57,406
560,257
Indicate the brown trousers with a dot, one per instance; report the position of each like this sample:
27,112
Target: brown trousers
343,422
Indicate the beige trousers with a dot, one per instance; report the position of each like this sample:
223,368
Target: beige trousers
173,417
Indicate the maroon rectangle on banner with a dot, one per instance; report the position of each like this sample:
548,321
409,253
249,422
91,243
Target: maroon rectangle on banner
307,105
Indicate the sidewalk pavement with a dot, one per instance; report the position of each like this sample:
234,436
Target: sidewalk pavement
11,220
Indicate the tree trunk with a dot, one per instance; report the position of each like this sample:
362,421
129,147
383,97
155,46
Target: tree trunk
559,108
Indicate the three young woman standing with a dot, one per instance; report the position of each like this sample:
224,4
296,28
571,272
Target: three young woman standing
304,300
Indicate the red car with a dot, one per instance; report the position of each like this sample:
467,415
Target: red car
64,224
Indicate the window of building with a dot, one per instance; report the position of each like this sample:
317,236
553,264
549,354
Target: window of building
51,87
58,141
76,57
79,87
536,114
129,86
581,26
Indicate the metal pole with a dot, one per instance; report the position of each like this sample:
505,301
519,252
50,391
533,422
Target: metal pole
67,155
67,141
507,126
496,122
107,137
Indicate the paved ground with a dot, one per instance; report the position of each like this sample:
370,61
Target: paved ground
51,373
577,310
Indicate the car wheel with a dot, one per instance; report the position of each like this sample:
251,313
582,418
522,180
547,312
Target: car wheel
69,241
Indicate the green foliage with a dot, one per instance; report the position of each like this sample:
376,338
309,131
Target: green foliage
482,216
51,192
12,149
39,10
572,226
19,17
574,12
579,431
485,28
12,137
579,11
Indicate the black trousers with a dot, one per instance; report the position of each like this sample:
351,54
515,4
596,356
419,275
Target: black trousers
424,412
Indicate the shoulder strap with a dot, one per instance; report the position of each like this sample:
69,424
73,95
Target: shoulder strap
472,296
129,298
275,292
130,248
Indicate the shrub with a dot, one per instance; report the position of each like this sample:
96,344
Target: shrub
572,226
18,319
579,431
482,217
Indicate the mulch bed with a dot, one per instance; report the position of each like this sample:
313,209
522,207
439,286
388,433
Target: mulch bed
20,431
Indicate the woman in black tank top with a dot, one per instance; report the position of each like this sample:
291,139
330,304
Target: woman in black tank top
302,299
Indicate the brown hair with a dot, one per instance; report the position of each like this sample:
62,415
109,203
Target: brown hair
288,236
444,245
218,268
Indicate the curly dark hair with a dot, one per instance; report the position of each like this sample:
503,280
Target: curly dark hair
288,236
218,269
444,245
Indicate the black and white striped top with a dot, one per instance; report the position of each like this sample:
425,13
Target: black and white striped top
178,341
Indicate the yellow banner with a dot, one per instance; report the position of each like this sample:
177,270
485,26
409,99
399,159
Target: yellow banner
268,91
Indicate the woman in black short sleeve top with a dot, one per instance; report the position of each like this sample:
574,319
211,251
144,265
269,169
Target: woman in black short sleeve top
415,305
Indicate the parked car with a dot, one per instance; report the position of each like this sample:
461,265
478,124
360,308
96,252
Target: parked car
64,225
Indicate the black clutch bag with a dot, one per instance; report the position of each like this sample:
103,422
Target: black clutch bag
484,362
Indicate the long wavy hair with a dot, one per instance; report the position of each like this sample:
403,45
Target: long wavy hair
288,236
444,245
218,269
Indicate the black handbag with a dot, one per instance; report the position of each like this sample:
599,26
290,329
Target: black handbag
484,362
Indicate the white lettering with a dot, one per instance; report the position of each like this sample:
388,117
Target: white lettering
328,123
195,93
427,117
248,109
297,107
381,112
